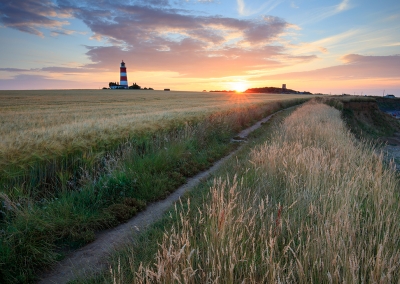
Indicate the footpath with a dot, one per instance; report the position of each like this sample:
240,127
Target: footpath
92,258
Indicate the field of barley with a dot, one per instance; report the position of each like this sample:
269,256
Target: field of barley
50,123
73,163
307,203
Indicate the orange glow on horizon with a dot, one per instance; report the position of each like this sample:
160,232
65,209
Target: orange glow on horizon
239,86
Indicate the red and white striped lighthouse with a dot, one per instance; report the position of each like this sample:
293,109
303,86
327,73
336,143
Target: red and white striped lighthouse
123,81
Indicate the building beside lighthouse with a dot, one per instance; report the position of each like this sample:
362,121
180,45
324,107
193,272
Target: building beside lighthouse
123,77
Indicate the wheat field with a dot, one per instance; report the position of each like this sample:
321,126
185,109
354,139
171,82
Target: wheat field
51,122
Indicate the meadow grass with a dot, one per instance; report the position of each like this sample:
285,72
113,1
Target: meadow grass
60,202
310,205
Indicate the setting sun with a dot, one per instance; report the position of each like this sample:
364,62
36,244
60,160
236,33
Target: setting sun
239,86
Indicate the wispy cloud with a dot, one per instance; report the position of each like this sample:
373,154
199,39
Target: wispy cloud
334,40
325,44
355,67
200,1
344,5
35,82
394,17
65,32
323,13
241,7
367,39
267,7
17,70
393,44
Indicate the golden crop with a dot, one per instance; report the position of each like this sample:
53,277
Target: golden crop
52,122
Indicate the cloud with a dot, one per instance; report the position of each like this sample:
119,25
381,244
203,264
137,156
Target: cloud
154,36
323,49
18,70
269,29
355,67
267,7
155,2
344,5
323,13
328,43
187,59
31,15
68,70
39,82
293,5
241,7
394,17
393,44
65,32
53,69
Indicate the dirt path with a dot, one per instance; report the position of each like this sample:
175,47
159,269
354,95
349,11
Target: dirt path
92,257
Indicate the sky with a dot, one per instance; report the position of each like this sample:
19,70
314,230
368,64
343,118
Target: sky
321,46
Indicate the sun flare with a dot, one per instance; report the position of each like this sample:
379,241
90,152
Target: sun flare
239,86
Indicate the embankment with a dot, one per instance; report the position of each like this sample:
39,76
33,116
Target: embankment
366,120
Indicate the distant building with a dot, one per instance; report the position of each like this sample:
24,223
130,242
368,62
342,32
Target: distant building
115,85
283,87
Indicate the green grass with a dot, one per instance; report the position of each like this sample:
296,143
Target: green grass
40,224
388,104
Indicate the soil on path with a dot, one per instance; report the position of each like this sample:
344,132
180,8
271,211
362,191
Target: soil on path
93,257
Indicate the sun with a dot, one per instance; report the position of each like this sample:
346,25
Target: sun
239,86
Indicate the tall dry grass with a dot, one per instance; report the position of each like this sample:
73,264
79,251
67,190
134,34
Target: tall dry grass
313,206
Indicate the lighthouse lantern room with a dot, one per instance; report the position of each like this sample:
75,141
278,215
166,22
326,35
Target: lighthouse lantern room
123,81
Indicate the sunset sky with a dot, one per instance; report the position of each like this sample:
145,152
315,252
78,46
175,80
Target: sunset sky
327,46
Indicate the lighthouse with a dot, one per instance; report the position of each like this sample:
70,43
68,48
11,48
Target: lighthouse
123,81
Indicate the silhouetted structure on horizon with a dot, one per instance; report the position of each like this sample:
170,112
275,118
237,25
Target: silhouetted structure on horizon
274,90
